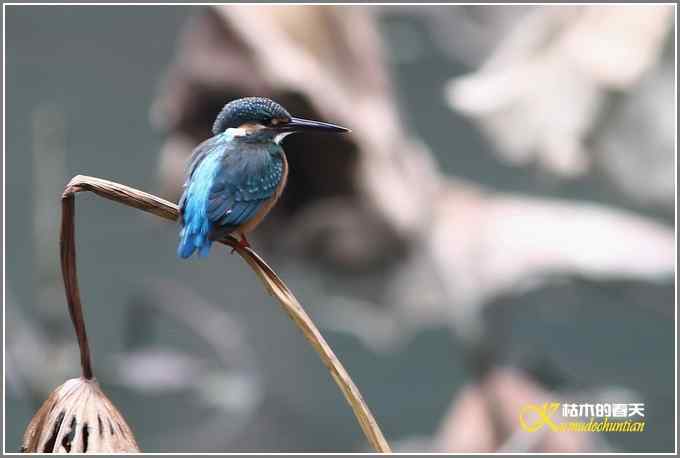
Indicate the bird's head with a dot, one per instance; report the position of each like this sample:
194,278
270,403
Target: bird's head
262,119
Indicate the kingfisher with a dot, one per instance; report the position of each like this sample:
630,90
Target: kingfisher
235,177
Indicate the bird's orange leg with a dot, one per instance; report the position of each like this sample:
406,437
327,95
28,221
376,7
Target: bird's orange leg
243,243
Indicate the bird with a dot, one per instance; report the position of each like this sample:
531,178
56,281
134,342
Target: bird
235,177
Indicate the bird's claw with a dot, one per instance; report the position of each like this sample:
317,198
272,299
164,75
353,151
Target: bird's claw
243,243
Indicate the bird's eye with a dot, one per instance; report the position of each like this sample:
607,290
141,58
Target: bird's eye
274,122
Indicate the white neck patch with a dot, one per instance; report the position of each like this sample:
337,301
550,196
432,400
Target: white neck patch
281,136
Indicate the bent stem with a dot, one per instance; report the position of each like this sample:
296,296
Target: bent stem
276,287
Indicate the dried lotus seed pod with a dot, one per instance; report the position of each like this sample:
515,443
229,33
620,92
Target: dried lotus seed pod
78,418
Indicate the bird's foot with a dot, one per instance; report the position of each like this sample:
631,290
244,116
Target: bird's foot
243,243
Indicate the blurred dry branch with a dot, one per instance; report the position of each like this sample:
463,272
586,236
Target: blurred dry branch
539,95
276,287
467,426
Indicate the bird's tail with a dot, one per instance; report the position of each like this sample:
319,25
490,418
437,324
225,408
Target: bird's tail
190,241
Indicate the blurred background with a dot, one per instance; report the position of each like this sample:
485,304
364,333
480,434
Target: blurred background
497,230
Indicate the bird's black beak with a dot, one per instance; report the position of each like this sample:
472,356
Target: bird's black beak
301,125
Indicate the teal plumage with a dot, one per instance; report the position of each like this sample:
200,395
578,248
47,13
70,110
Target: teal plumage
236,177
227,184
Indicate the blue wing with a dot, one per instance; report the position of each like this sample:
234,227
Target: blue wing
225,189
242,185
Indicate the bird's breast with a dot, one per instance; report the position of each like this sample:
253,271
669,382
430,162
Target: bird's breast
269,203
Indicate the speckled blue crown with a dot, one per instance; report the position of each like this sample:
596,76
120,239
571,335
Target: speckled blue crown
249,109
